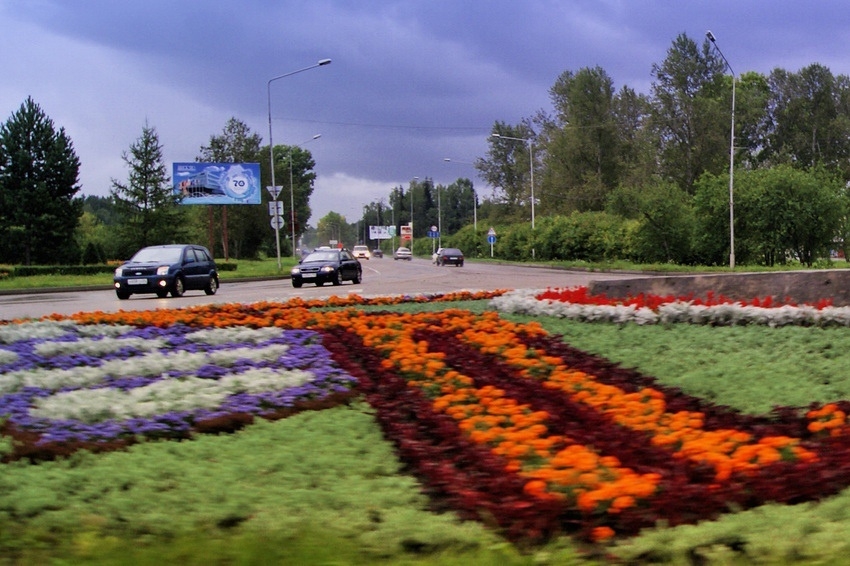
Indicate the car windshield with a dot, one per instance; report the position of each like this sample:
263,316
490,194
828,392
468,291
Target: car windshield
451,251
361,248
322,256
158,255
402,250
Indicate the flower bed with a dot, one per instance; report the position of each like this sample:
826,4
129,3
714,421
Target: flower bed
576,303
500,421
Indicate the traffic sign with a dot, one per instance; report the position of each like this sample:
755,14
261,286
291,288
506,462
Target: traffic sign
491,239
274,191
491,231
276,222
275,208
433,233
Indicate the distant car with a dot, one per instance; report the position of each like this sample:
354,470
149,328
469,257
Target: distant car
173,269
403,253
450,256
361,252
377,252
323,266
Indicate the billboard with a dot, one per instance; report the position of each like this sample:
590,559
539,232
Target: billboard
217,183
381,232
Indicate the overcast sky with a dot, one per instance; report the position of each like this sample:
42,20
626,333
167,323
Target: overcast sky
411,83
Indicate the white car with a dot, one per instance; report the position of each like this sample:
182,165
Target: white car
403,253
361,252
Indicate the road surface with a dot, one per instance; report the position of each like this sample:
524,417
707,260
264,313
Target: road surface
380,277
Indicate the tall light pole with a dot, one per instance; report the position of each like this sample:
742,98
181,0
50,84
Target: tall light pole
530,142
292,192
321,63
474,196
712,39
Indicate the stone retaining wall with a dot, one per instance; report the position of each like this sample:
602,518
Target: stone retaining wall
796,286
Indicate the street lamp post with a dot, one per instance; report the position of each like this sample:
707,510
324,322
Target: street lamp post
321,63
531,166
474,196
292,192
712,39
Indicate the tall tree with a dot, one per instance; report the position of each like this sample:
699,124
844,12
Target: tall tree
39,171
150,212
246,226
691,124
808,115
508,168
583,153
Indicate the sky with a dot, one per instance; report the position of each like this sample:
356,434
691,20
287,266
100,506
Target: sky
411,82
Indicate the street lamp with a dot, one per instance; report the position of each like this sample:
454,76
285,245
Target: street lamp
531,166
474,196
292,192
321,63
712,39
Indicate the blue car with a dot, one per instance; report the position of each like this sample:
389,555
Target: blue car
161,270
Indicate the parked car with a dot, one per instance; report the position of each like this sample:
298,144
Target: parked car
377,252
173,269
330,265
403,253
449,256
361,252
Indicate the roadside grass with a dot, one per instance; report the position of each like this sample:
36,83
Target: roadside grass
245,269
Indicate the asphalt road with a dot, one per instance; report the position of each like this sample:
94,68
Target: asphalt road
380,277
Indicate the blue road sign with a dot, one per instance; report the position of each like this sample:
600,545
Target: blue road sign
491,239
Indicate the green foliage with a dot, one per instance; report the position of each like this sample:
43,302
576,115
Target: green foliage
150,212
779,213
39,171
248,232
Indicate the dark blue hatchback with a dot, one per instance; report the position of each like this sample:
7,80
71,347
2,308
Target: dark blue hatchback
173,269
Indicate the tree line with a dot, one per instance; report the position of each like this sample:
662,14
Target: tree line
656,166
44,219
625,175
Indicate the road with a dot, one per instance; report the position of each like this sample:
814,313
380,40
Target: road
380,277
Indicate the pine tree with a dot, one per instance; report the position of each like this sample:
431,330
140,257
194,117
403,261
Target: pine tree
150,211
39,171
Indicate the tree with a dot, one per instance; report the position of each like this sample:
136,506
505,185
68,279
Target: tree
333,227
39,171
246,227
808,118
692,129
508,168
582,155
150,211
300,178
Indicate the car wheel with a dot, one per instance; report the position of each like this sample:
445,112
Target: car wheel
338,277
162,293
123,295
357,277
211,287
296,283
178,288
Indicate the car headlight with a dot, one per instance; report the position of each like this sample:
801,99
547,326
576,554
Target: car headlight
295,271
162,270
327,269
118,272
